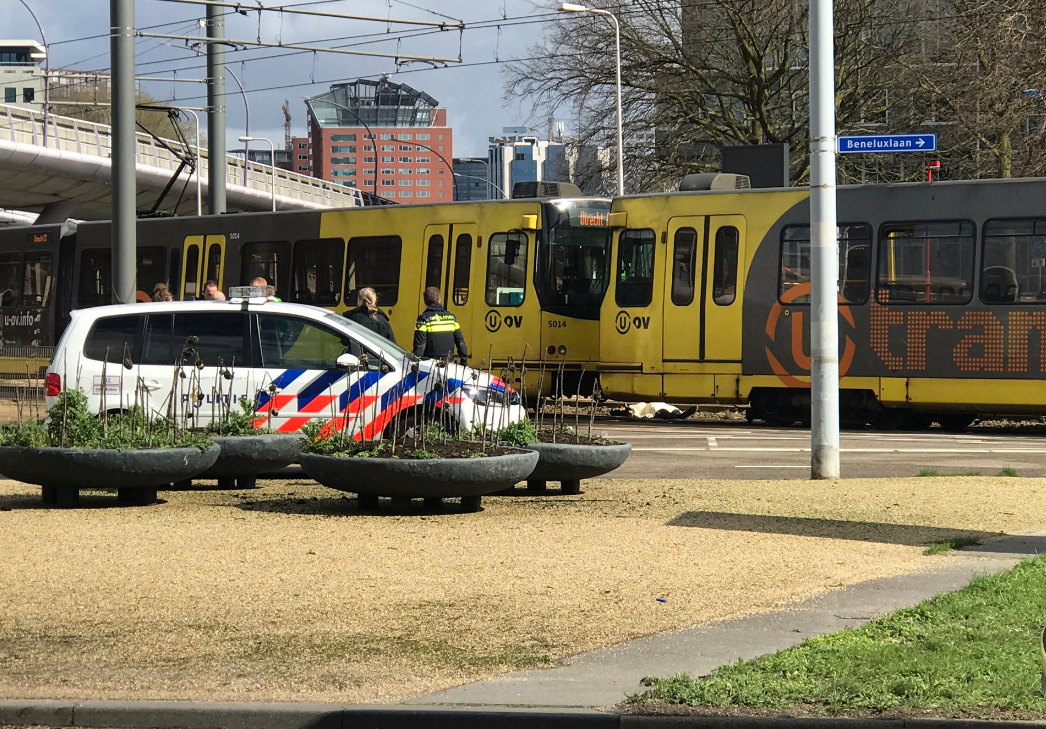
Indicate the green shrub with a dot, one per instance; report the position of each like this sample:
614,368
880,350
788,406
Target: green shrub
519,433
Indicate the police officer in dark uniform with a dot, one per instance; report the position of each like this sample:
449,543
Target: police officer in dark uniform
437,332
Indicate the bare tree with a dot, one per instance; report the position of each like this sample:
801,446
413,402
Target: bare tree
701,74
980,77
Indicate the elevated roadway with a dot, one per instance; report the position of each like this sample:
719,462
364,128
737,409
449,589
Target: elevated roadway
66,173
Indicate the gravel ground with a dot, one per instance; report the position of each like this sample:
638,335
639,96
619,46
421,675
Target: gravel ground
289,593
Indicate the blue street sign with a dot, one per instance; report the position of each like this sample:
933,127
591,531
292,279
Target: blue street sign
887,143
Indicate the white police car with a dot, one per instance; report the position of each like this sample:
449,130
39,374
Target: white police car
295,363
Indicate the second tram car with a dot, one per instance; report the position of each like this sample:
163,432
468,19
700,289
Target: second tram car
942,301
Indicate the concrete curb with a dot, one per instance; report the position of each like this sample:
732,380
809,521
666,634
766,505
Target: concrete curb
234,715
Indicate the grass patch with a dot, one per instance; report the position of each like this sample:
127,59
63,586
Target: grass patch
947,545
969,652
1008,472
930,472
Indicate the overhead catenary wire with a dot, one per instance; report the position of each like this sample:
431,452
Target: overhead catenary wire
292,10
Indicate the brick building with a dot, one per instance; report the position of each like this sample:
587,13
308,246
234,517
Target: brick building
382,137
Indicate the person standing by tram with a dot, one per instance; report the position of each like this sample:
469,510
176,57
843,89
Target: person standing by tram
368,315
437,332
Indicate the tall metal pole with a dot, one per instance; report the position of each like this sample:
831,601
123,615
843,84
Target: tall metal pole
620,123
246,124
121,49
824,279
47,67
215,110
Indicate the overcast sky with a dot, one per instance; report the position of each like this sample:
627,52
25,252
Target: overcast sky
473,95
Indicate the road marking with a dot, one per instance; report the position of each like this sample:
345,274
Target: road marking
753,465
712,443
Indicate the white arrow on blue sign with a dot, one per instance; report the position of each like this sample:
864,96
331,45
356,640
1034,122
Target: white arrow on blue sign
887,143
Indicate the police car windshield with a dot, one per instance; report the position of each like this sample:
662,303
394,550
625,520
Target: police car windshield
368,336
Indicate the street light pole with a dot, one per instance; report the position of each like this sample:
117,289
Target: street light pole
246,123
824,274
272,148
481,179
572,8
125,213
370,133
47,66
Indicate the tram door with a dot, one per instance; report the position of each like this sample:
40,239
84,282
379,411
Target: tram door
681,335
449,255
701,340
203,259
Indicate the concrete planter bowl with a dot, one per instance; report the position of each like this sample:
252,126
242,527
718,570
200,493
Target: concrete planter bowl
135,474
569,464
243,457
433,480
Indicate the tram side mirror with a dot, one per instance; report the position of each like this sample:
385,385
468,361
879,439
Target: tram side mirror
511,251
530,222
348,361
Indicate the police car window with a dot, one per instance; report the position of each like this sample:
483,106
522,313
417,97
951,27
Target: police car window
219,337
113,335
291,343
158,341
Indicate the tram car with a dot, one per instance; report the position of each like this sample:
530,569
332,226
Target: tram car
942,301
525,277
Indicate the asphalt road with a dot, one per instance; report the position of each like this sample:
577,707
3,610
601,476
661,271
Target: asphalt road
708,449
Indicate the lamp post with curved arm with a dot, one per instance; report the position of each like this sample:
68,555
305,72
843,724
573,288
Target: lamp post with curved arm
448,165
47,66
373,138
575,8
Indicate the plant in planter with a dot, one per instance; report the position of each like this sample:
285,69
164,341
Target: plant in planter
412,459
566,455
75,449
248,446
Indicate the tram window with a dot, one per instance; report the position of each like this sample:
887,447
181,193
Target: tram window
214,264
578,245
152,268
926,262
855,245
36,280
265,260
635,268
318,266
192,270
374,262
1014,266
95,277
724,266
434,262
219,337
462,269
174,271
506,269
684,254
10,269
112,334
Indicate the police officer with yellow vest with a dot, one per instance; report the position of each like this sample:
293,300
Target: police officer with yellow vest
437,333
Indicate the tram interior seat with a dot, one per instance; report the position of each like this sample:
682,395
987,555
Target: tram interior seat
1000,285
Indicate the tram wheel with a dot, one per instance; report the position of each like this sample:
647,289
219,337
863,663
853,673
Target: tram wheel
953,423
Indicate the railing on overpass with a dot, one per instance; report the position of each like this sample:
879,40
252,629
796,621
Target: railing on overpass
84,137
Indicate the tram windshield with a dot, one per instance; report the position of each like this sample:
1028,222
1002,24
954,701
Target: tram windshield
576,266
